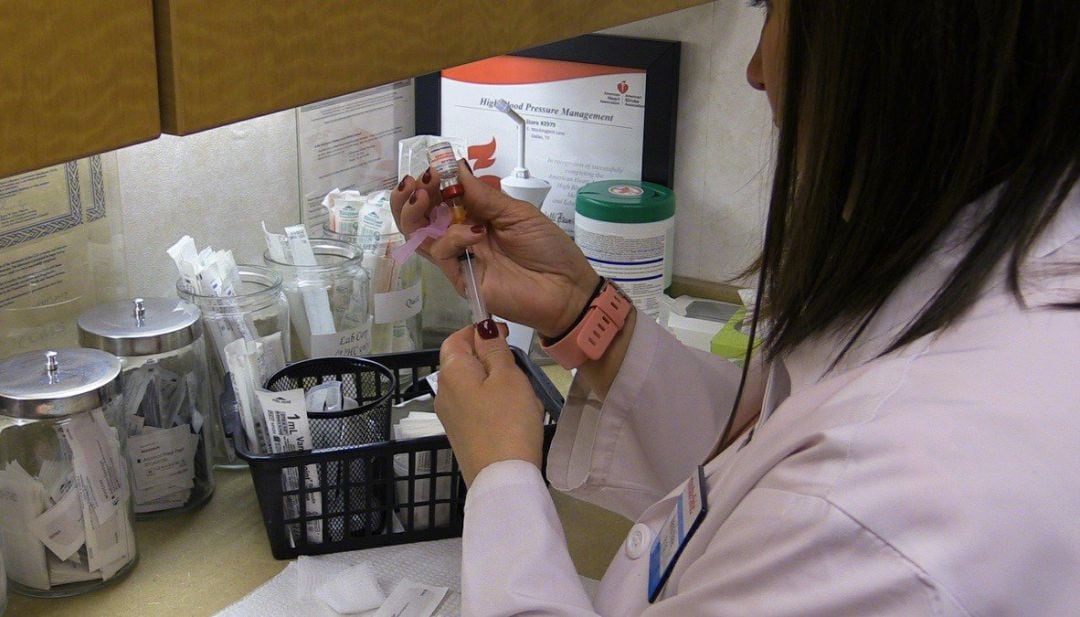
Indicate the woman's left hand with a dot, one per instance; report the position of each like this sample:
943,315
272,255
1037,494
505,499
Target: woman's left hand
486,403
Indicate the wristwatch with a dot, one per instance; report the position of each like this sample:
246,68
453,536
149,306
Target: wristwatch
603,318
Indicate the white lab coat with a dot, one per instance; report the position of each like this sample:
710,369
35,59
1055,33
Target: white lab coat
940,479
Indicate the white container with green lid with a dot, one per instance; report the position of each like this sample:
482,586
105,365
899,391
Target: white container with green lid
626,228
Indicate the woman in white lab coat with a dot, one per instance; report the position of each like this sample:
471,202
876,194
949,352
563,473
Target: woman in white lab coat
910,442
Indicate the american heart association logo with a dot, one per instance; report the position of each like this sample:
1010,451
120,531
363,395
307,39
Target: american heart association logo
626,190
623,87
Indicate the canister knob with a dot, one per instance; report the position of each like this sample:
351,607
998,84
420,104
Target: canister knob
138,310
51,363
71,381
140,326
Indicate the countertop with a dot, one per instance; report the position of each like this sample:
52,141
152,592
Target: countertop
198,563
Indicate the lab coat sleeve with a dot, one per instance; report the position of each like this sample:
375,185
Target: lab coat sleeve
785,554
514,554
661,417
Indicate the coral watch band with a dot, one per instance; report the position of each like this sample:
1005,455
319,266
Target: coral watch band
592,335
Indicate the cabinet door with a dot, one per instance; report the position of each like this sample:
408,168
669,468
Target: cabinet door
227,60
76,78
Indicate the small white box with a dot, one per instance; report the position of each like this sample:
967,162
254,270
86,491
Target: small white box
695,321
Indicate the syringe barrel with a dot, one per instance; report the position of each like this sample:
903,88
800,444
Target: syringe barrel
469,275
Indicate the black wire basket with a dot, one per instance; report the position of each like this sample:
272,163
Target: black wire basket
357,488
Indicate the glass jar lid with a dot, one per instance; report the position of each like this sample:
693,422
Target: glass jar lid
51,384
140,327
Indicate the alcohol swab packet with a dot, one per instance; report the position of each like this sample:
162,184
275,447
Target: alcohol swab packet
353,590
440,222
411,599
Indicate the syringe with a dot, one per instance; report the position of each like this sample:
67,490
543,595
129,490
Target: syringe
442,160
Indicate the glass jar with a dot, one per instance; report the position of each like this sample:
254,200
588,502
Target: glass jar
331,315
396,292
166,397
258,310
65,492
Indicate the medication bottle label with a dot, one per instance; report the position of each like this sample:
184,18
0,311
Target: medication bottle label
632,255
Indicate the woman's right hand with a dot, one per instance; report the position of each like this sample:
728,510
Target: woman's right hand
531,272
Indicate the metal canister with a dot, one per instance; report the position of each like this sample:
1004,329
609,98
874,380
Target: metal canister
65,493
166,398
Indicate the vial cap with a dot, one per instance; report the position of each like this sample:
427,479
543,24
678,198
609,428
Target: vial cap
452,191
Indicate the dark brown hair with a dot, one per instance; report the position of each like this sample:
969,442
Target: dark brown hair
906,111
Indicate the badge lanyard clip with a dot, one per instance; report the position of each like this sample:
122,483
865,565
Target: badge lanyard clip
676,532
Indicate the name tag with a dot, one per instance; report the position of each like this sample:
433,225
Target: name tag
676,532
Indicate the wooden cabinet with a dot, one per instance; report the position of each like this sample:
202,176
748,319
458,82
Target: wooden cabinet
76,78
227,60
80,77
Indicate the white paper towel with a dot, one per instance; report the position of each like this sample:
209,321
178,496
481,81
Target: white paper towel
433,563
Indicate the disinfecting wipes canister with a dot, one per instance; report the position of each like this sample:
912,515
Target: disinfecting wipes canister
626,229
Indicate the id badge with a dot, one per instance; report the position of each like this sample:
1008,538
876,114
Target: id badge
676,532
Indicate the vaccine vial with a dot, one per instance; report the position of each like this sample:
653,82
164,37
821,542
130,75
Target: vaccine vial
442,160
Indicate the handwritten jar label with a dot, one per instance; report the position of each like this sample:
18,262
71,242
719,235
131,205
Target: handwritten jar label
398,305
354,342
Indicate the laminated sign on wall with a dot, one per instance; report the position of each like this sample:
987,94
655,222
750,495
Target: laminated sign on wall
61,251
595,107
584,122
350,142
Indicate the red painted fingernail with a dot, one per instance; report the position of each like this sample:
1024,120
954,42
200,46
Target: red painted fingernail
401,185
412,198
487,329
426,177
478,229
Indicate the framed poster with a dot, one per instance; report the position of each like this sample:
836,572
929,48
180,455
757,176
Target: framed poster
61,251
596,107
